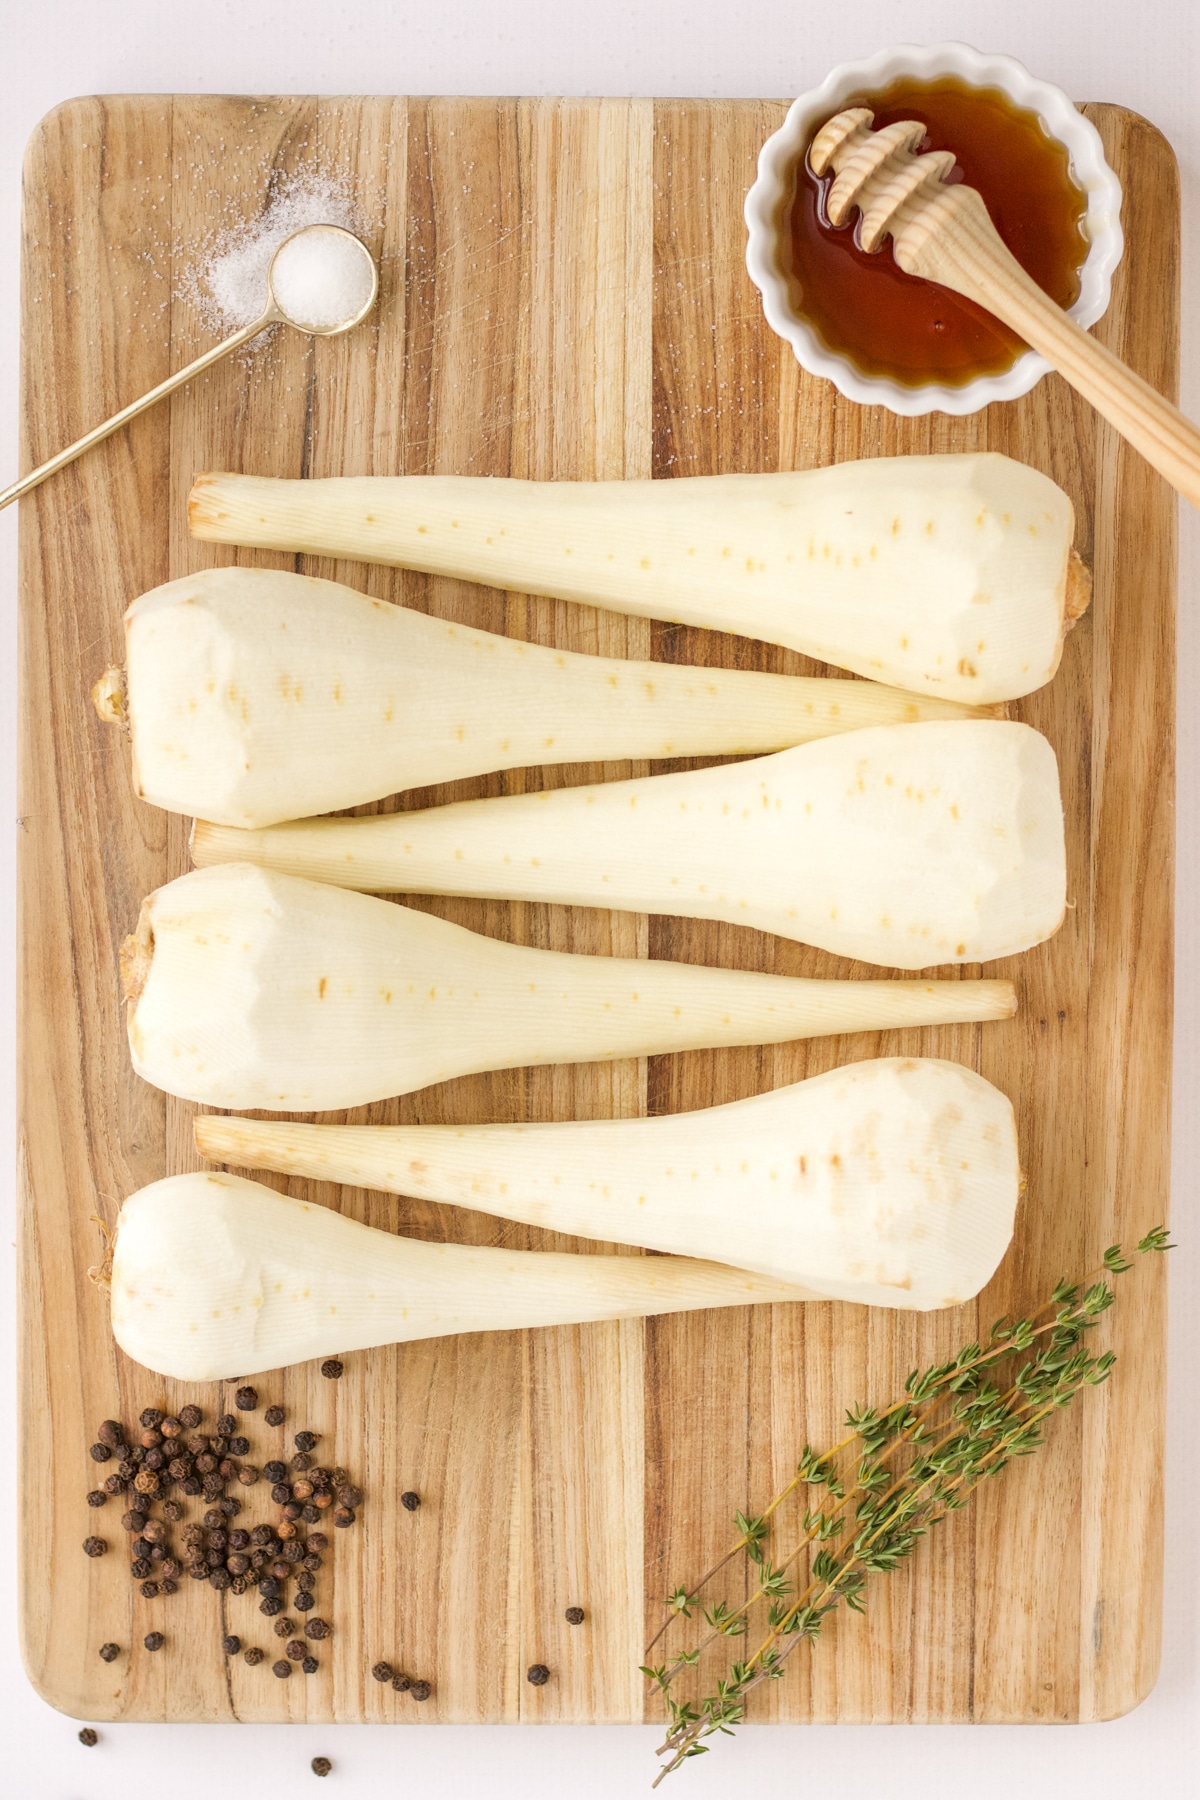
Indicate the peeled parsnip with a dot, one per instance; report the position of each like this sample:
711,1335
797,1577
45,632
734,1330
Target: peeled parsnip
253,989
892,1182
904,845
214,1277
948,575
255,695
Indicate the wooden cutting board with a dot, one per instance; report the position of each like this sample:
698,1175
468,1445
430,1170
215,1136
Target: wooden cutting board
563,295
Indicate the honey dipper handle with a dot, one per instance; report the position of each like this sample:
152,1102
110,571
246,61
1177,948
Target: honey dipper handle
952,240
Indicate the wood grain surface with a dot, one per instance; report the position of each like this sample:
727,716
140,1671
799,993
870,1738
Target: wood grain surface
563,294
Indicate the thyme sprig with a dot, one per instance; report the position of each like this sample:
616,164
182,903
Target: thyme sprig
873,1497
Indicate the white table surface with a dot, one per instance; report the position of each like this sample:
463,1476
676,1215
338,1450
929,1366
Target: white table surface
1143,55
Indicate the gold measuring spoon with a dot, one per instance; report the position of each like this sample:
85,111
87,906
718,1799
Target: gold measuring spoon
276,313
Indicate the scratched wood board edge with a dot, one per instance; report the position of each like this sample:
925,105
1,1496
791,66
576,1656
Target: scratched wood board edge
699,1415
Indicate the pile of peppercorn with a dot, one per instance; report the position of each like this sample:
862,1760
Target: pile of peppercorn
171,1454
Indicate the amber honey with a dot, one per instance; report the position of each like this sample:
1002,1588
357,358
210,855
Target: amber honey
889,323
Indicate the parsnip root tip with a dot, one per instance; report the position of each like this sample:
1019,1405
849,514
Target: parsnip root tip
109,697
136,956
1079,589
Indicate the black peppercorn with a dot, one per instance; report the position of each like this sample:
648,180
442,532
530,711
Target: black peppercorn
109,1652
332,1368
238,1564
296,1650
248,1475
88,1736
281,1493
154,1640
190,1417
127,1468
231,1645
282,1669
97,1497
150,1439
152,1416
271,1608
220,1579
213,1487
321,1765
305,1440
401,1682
268,1587
537,1675
111,1432
383,1671
312,1561
310,1665
114,1484
170,1586
304,1601
305,1582
309,1513
343,1516
301,1463
352,1496
146,1482
100,1453
154,1531
283,1628
94,1546
274,1415
420,1690
226,1425
198,1571
239,1584
409,1501
148,1590
280,1570
133,1520
239,1539
574,1615
317,1628
171,1426
274,1471
230,1507
173,1511
254,1657
154,1459
193,1485
246,1399
315,1542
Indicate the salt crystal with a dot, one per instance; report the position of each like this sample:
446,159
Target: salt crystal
321,279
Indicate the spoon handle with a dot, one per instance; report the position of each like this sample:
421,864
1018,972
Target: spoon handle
953,241
36,476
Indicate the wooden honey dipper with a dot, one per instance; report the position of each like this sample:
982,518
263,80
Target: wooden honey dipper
945,234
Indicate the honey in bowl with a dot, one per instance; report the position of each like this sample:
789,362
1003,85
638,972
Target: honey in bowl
862,305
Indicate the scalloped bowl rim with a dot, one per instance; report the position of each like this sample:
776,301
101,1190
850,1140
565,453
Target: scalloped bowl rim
778,158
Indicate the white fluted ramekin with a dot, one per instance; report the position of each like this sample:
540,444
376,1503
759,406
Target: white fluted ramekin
768,199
